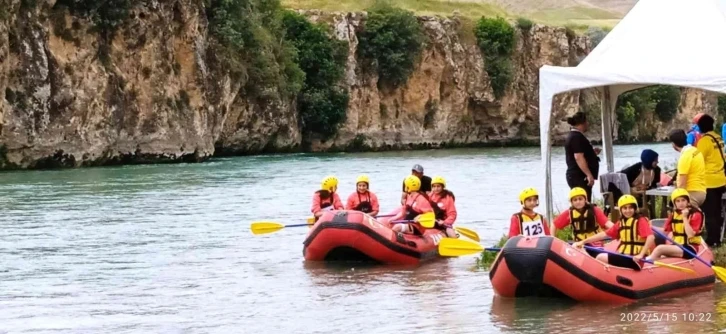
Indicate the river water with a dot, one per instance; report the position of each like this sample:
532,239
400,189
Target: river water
167,249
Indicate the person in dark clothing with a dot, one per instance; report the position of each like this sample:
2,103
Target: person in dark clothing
582,159
643,175
418,171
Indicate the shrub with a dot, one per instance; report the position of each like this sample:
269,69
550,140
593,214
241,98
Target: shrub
322,105
633,105
390,43
106,15
250,34
596,35
722,107
486,258
495,37
666,99
524,24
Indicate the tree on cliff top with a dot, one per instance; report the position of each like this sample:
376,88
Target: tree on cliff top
390,43
495,37
253,46
322,104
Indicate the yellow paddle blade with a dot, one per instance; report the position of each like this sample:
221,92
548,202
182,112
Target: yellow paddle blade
427,219
468,233
458,247
720,273
265,227
685,270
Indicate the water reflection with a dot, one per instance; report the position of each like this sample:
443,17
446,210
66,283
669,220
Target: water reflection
693,312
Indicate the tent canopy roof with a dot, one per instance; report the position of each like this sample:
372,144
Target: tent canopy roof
670,42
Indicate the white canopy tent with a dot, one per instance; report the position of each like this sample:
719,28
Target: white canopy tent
670,42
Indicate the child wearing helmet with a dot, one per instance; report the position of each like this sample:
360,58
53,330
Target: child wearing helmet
442,202
585,219
363,199
326,199
685,226
527,222
415,204
633,232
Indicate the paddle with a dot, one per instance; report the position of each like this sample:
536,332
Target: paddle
459,247
270,227
426,220
468,233
311,220
657,263
265,227
719,271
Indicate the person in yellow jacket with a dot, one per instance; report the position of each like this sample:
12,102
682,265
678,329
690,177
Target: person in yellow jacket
710,146
685,227
632,230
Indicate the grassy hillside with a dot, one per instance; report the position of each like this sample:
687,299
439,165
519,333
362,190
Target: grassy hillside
578,13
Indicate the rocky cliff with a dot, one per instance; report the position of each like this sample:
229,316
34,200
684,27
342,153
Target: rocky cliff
449,98
156,91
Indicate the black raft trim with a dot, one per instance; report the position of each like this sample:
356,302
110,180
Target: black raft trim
375,236
596,282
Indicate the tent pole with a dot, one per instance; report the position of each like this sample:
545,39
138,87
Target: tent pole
548,178
607,129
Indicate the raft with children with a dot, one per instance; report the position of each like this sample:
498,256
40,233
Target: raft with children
349,235
525,266
629,268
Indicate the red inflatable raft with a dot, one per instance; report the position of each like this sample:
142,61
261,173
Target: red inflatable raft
347,235
537,266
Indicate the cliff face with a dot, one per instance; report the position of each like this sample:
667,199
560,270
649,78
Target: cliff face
449,99
155,91
157,94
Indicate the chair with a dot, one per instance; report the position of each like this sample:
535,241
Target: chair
612,187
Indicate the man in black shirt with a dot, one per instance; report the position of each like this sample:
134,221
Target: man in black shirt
425,181
582,159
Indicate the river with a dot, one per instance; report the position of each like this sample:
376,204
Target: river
167,249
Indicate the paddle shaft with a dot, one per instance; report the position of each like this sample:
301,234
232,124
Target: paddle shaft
297,225
662,235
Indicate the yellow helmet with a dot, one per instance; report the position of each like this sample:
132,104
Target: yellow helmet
577,191
527,193
363,178
627,199
438,180
329,182
679,193
412,183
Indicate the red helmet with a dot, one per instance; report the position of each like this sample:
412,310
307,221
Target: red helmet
697,117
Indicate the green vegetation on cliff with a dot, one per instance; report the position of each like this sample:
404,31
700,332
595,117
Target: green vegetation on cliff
495,38
722,107
390,43
252,41
321,104
633,106
106,15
